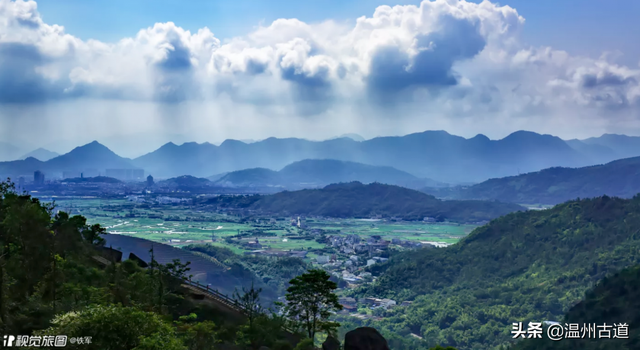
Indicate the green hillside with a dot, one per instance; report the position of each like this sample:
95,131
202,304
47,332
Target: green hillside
615,300
620,178
360,201
524,266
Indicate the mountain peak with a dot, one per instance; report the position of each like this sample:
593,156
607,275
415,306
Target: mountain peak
480,137
92,145
40,154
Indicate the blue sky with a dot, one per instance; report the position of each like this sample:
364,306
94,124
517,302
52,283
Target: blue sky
582,27
135,74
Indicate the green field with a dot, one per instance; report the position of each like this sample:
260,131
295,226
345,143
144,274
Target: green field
121,216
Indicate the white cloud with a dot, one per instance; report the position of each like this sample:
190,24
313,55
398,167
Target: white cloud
443,63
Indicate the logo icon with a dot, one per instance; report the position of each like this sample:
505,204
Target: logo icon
8,340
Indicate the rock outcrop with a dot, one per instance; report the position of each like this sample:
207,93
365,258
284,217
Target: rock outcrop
365,338
331,343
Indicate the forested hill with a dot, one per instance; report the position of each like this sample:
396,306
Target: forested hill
615,300
620,178
357,200
524,266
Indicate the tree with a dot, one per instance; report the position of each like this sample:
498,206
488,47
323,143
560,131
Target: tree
197,335
116,328
311,301
250,302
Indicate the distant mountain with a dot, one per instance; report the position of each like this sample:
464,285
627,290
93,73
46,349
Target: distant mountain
9,152
256,177
216,177
607,147
354,137
312,173
185,181
620,178
431,154
92,156
624,146
361,201
40,154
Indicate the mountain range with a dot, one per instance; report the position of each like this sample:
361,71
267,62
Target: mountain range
431,154
312,173
92,156
41,154
357,200
435,155
620,178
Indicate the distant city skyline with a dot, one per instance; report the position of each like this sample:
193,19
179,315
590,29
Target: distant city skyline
135,75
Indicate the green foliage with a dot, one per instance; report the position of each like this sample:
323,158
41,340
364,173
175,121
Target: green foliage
115,328
528,266
197,335
249,300
438,347
54,281
615,300
265,330
311,301
305,344
358,200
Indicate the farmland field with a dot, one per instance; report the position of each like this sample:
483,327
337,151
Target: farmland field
186,225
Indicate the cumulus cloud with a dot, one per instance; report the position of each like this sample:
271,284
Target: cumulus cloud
441,61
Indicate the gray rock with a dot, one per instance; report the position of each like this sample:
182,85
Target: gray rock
365,338
331,344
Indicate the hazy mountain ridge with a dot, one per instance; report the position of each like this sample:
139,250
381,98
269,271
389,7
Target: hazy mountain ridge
312,173
40,154
89,156
430,154
620,178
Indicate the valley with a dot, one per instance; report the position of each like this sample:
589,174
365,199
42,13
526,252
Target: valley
181,225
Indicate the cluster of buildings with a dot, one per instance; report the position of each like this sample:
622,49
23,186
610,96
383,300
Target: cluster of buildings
350,305
279,253
353,244
158,200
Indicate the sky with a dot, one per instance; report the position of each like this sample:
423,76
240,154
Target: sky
134,74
